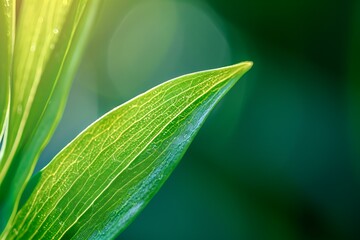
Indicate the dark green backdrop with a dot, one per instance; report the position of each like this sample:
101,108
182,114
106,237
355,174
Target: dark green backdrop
279,156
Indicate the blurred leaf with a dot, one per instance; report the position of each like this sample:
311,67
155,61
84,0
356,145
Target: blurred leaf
50,40
97,184
7,30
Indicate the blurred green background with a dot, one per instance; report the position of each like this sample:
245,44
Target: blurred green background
279,156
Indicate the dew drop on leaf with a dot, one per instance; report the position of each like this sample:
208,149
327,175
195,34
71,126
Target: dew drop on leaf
19,109
33,48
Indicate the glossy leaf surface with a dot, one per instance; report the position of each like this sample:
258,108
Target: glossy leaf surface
7,35
50,37
98,183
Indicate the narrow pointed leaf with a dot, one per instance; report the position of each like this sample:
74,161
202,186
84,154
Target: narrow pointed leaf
50,39
98,183
7,30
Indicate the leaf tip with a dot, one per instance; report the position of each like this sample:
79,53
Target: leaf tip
239,69
244,66
249,64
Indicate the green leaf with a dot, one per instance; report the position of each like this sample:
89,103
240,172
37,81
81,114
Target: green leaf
50,39
7,34
98,183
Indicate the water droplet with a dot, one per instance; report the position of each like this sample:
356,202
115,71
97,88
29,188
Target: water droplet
19,109
33,48
55,30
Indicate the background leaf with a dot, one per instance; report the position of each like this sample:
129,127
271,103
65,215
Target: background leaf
7,30
97,184
50,40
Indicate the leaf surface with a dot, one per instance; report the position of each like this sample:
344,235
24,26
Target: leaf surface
98,183
7,34
50,38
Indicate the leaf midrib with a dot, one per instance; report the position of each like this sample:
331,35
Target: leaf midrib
67,155
121,188
229,75
134,158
